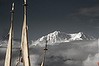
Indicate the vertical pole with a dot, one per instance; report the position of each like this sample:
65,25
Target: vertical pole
8,57
44,58
24,39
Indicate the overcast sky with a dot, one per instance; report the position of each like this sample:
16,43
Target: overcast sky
45,16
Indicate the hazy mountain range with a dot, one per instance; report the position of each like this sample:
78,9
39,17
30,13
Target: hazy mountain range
60,37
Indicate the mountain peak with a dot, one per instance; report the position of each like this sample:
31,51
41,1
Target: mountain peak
80,36
56,32
76,36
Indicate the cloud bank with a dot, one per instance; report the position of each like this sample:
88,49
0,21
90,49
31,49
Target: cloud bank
78,53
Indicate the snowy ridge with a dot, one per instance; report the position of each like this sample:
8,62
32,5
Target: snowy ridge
80,36
58,37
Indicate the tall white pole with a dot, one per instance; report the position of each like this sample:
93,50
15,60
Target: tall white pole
24,39
8,57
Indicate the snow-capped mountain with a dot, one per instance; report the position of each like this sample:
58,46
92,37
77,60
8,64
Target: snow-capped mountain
58,37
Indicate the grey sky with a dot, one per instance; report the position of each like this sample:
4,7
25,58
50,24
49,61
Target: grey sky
45,16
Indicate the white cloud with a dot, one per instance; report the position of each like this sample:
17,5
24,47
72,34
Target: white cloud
34,59
88,11
92,60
